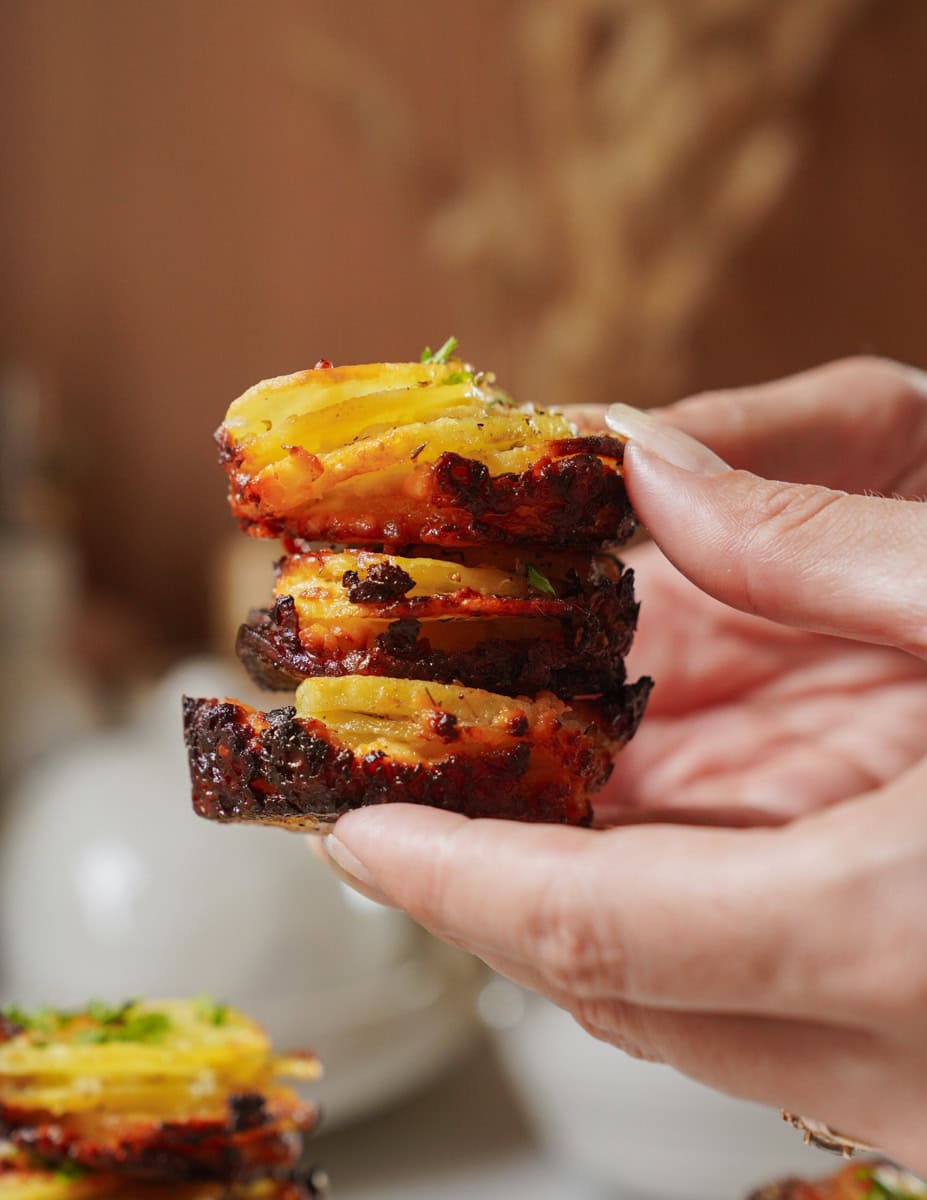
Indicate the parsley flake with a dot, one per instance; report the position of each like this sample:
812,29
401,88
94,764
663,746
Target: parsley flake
211,1012
460,377
109,1014
441,355
38,1020
146,1027
538,581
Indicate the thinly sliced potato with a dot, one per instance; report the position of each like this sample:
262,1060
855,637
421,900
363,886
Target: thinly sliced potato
182,1059
518,624
403,451
371,740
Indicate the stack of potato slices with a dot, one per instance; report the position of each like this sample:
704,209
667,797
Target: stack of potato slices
140,1098
448,609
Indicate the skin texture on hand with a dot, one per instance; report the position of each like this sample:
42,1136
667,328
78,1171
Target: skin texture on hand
751,722
786,626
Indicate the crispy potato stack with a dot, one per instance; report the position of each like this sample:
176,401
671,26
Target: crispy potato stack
162,1092
487,625
364,740
415,452
467,649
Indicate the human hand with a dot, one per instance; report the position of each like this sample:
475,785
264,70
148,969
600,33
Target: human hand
751,720
785,965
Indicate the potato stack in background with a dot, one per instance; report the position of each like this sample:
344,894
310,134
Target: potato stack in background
175,1099
462,643
870,1180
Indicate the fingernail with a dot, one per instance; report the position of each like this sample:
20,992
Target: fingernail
661,439
350,868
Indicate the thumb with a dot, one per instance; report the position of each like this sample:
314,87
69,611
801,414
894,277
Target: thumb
822,560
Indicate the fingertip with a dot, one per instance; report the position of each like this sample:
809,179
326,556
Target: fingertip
394,843
385,841
668,499
381,827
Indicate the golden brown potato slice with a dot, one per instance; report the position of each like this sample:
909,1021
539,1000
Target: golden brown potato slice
172,1089
358,740
558,623
416,452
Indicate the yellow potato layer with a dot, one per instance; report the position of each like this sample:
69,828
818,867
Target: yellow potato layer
196,1061
351,421
371,713
316,582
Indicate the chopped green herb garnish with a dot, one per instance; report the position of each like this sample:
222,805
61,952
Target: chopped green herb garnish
441,355
109,1014
143,1027
210,1011
460,377
109,1023
50,1020
44,1020
538,581
39,1020
892,1185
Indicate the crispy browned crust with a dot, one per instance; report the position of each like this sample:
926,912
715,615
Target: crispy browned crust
256,1138
279,769
585,657
572,496
619,713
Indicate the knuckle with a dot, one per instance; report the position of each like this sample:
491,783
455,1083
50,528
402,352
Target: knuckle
566,948
857,364
786,518
713,410
873,369
431,904
869,962
789,508
896,386
893,984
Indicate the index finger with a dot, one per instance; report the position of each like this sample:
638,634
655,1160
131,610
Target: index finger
854,425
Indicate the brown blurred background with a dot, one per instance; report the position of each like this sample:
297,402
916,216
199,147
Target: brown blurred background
602,199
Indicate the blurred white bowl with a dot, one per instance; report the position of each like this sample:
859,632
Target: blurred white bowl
640,1128
110,886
